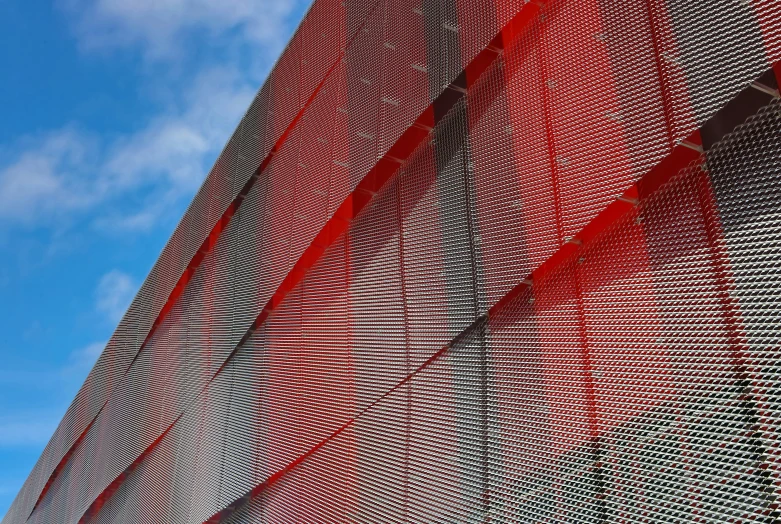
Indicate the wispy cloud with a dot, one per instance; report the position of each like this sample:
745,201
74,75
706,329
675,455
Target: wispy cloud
160,27
129,182
71,172
173,145
32,182
83,358
114,293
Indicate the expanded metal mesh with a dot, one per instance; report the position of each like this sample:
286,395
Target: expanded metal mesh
462,262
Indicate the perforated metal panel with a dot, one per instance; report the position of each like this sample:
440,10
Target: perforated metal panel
462,261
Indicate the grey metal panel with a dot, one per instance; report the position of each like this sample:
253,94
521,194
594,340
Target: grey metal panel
745,169
719,47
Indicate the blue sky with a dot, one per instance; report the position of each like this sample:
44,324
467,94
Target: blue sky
112,113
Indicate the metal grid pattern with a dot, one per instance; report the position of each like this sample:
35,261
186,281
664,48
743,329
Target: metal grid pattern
462,261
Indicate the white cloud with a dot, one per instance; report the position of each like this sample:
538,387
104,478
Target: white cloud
174,145
32,182
159,27
132,181
69,172
114,293
84,358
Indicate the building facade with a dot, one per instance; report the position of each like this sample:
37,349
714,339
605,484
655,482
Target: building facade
462,261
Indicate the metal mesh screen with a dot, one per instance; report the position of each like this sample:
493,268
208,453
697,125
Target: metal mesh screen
462,261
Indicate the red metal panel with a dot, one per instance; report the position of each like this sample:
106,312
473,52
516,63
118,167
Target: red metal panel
323,39
432,443
478,23
246,426
213,404
404,78
364,85
587,150
527,127
631,367
312,175
328,368
507,200
278,223
319,491
285,95
377,308
339,183
742,250
282,393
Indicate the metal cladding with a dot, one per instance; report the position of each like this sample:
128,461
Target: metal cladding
462,261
